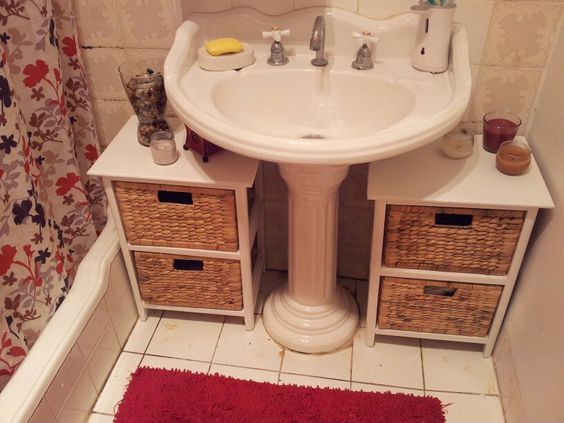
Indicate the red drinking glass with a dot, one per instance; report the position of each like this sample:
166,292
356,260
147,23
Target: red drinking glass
499,127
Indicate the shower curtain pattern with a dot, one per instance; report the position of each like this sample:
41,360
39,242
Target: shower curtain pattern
50,209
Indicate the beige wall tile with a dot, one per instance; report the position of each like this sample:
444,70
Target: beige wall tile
474,70
353,261
80,400
521,33
476,16
380,9
110,117
269,7
352,192
501,88
351,5
148,54
355,226
102,72
192,6
276,253
66,377
148,23
104,357
274,186
42,413
276,219
98,23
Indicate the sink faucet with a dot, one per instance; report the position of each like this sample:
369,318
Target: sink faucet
317,42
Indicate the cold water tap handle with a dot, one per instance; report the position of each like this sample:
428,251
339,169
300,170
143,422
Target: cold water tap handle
365,37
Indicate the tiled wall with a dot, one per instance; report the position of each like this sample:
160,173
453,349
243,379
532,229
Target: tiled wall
510,42
82,376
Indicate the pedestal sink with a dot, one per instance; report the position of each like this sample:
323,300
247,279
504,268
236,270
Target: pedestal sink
315,122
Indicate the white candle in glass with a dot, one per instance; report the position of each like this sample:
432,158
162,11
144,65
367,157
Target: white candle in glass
163,148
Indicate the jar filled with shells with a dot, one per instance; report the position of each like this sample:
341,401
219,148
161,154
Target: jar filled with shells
144,85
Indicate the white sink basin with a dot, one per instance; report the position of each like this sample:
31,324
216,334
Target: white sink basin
264,111
312,103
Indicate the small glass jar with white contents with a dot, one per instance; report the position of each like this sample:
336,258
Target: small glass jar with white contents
163,148
458,143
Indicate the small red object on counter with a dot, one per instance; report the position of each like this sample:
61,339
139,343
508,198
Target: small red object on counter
200,145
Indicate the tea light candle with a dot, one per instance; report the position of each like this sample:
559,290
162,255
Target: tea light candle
163,148
513,157
458,143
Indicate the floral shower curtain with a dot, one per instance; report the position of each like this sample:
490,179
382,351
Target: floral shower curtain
50,210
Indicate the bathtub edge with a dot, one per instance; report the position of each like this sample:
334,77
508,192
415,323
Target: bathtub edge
19,398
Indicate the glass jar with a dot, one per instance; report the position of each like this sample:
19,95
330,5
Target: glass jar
513,157
163,148
458,143
144,85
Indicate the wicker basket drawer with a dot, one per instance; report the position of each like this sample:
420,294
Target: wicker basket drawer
184,281
451,239
178,216
437,307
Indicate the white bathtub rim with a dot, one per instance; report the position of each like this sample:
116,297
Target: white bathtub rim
28,385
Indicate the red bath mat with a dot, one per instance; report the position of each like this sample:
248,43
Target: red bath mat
157,395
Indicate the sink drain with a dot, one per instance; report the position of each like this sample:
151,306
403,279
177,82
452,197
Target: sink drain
314,137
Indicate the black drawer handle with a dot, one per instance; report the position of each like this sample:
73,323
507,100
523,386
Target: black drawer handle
449,219
175,197
186,264
441,291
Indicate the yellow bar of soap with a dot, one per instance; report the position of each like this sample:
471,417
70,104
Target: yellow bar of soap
221,46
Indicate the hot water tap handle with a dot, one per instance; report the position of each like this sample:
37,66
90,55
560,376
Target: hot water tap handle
365,37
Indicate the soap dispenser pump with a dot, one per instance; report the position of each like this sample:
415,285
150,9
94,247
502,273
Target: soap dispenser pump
431,52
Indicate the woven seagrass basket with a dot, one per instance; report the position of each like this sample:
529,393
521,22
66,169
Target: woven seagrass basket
178,216
451,239
436,306
184,281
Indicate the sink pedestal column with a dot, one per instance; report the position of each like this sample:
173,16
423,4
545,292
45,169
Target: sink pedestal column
311,313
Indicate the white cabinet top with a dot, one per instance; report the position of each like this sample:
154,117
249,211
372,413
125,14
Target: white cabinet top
126,159
426,175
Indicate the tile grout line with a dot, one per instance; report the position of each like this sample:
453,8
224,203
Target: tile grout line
216,344
352,356
153,334
283,356
422,366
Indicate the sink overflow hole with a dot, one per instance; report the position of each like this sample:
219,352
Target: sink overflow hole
314,137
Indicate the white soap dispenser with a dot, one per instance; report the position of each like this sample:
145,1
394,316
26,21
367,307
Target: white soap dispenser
431,52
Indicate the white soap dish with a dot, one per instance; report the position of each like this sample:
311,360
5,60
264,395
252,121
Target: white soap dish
229,61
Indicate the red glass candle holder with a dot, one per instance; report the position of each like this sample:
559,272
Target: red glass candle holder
499,127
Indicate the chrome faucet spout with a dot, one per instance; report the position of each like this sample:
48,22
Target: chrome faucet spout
317,42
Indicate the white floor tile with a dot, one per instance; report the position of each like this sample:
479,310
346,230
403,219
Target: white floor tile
240,347
457,367
117,383
468,408
188,341
366,387
300,380
100,418
269,281
186,335
245,373
174,363
336,365
391,361
142,332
